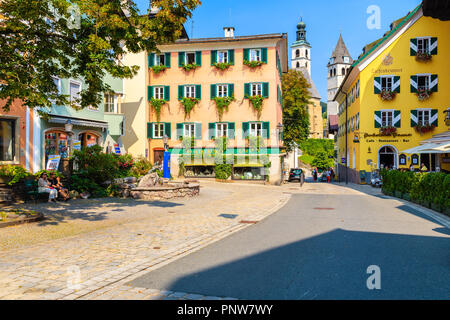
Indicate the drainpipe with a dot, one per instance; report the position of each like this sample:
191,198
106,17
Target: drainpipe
346,139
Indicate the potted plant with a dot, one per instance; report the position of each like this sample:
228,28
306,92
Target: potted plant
222,104
222,65
423,56
190,66
253,64
424,128
158,69
257,103
387,95
423,94
388,130
188,105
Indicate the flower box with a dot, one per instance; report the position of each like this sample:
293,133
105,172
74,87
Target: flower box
388,131
423,56
424,128
423,94
387,95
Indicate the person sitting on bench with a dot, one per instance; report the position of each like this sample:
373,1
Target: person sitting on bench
55,182
44,187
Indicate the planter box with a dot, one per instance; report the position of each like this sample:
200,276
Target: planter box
406,197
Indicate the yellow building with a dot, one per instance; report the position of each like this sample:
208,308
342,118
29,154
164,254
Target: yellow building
394,101
191,68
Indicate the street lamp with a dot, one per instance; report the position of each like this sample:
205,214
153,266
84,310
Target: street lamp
68,126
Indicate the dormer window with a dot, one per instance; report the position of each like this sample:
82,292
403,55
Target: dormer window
346,59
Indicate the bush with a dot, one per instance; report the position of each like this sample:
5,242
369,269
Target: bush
16,173
57,173
223,171
141,167
321,161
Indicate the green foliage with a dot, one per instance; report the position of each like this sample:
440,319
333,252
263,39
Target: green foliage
223,171
158,69
190,66
222,65
253,64
313,146
222,104
157,106
296,98
189,104
321,161
57,173
306,158
141,167
44,39
16,173
257,103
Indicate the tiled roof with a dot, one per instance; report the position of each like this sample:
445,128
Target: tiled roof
341,51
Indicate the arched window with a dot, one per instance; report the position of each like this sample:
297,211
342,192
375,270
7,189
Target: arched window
331,73
306,52
57,142
334,71
297,53
343,71
89,139
298,64
306,64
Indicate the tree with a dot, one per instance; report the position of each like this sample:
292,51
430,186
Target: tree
321,161
295,108
80,39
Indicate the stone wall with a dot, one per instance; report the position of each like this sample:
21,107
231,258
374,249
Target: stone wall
166,193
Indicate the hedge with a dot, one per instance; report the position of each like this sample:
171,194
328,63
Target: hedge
429,189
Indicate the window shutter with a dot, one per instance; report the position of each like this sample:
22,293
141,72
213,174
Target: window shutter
397,121
434,46
198,131
231,129
414,119
198,91
149,130
377,85
167,57
396,84
266,129
413,46
377,119
231,56
265,90
264,55
434,117
151,60
231,90
167,93
246,54
211,130
181,58
180,92
213,91
179,130
245,127
168,129
247,90
213,56
150,92
413,84
198,58
434,83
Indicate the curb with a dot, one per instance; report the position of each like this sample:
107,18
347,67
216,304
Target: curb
40,217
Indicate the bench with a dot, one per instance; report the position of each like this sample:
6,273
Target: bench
32,193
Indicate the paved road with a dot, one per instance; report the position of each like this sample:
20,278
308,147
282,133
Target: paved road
319,246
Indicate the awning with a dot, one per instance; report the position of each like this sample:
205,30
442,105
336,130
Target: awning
79,122
430,148
248,165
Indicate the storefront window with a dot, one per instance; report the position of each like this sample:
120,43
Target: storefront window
57,143
249,173
88,139
7,139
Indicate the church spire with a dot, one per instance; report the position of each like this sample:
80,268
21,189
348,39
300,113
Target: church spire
301,31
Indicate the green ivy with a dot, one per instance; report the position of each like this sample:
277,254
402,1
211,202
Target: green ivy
222,104
222,65
253,64
190,66
158,69
157,106
257,103
189,104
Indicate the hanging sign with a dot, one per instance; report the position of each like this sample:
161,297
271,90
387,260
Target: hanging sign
53,162
117,149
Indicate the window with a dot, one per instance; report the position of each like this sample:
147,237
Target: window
423,82
256,89
222,56
255,54
189,130
158,130
160,60
343,71
386,83
346,60
7,139
57,143
297,53
189,91
109,102
423,117
190,58
306,53
222,90
387,118
75,88
298,64
221,130
158,93
423,45
256,129
334,72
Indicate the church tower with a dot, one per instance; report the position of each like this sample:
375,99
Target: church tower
338,66
301,50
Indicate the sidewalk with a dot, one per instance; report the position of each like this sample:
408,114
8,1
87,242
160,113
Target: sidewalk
88,245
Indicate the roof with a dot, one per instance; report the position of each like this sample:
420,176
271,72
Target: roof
313,90
439,9
333,120
341,51
232,39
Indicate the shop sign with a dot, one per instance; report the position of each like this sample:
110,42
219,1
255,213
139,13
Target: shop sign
415,159
77,145
53,162
402,159
344,160
116,149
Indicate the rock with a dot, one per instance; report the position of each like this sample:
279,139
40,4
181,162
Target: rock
130,180
150,180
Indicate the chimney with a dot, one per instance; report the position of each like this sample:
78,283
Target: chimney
229,32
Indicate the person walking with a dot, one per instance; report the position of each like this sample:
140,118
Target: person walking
315,174
328,175
44,187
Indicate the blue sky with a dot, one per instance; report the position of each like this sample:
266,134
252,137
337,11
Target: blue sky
324,19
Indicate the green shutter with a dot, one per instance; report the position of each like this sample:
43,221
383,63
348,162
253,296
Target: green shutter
181,58
231,90
231,129
397,119
433,46
413,84
167,93
211,130
213,91
396,84
179,130
198,58
151,60
377,120
264,55
213,56
198,131
266,129
150,92
180,92
168,129
377,85
247,90
434,117
167,57
198,91
231,56
434,83
245,128
265,90
149,130
413,46
414,120
246,54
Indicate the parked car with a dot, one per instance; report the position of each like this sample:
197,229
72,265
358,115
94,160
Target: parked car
296,174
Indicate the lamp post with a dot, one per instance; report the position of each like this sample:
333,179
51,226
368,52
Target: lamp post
68,126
